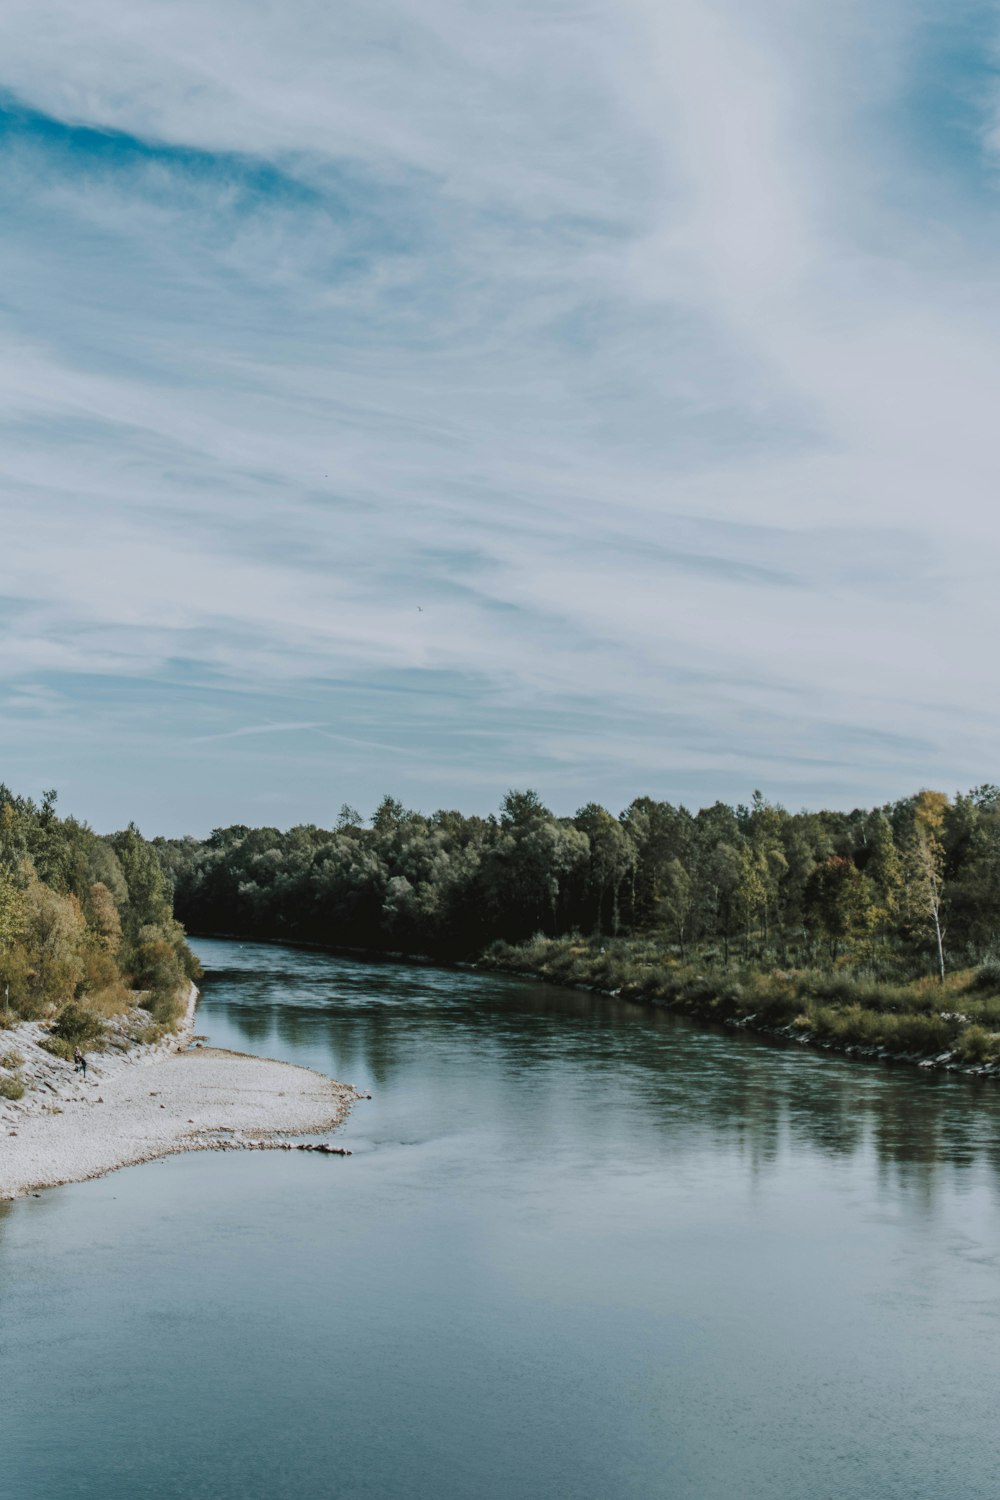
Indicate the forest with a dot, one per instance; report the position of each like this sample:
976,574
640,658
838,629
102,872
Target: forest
86,923
893,893
878,926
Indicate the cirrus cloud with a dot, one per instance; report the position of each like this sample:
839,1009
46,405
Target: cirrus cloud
594,396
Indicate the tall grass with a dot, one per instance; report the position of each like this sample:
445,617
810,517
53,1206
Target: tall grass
166,1006
922,1018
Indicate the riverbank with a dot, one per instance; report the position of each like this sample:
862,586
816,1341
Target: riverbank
140,1102
953,1027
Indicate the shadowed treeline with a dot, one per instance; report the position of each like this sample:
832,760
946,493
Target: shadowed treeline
892,892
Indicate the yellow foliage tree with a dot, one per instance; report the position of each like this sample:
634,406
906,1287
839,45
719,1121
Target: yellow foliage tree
924,867
55,934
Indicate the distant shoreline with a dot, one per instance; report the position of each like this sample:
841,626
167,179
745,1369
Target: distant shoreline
371,955
149,1102
705,1013
789,1034
709,1008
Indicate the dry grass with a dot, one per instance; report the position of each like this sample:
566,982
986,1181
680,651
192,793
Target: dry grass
114,1000
12,1087
922,1018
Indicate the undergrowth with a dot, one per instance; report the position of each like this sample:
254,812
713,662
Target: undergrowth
922,1018
12,1087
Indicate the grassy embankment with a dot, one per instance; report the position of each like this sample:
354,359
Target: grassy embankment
148,1016
115,1017
922,1019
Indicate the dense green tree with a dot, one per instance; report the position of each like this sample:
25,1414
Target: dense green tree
678,903
612,859
74,907
857,888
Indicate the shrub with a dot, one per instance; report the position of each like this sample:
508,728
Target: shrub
987,974
165,1006
924,1034
77,1024
12,1087
834,988
10,1059
145,1036
114,1000
850,1008
985,1012
99,968
58,1047
158,967
976,1044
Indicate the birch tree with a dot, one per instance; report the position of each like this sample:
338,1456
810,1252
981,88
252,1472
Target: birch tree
925,868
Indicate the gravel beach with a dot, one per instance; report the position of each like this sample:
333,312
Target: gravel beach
147,1102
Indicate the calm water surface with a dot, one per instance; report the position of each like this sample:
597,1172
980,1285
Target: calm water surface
581,1250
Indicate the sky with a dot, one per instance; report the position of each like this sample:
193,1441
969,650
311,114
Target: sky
437,396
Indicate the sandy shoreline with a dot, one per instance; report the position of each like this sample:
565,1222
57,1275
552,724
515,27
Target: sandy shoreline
147,1102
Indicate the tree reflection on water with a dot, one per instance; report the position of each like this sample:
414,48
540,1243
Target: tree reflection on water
634,1079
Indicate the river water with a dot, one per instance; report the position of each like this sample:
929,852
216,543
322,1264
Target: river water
581,1250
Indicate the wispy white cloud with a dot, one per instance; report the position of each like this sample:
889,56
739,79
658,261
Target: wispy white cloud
594,395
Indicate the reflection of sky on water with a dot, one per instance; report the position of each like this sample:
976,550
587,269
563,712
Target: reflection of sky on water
648,1077
581,1249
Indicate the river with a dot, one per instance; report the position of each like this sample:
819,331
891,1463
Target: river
581,1249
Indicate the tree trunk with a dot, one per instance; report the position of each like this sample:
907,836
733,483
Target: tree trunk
940,940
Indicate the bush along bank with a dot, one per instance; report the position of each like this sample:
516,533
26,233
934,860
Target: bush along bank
88,940
953,1025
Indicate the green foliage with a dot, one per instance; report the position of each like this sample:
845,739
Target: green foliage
75,909
158,965
12,1087
77,1025
977,1045
146,1035
166,1007
848,1010
897,892
844,924
149,895
987,973
58,1046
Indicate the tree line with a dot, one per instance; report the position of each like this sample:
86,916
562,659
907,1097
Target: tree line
894,891
83,917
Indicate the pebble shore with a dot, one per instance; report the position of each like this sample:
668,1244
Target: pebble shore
140,1102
